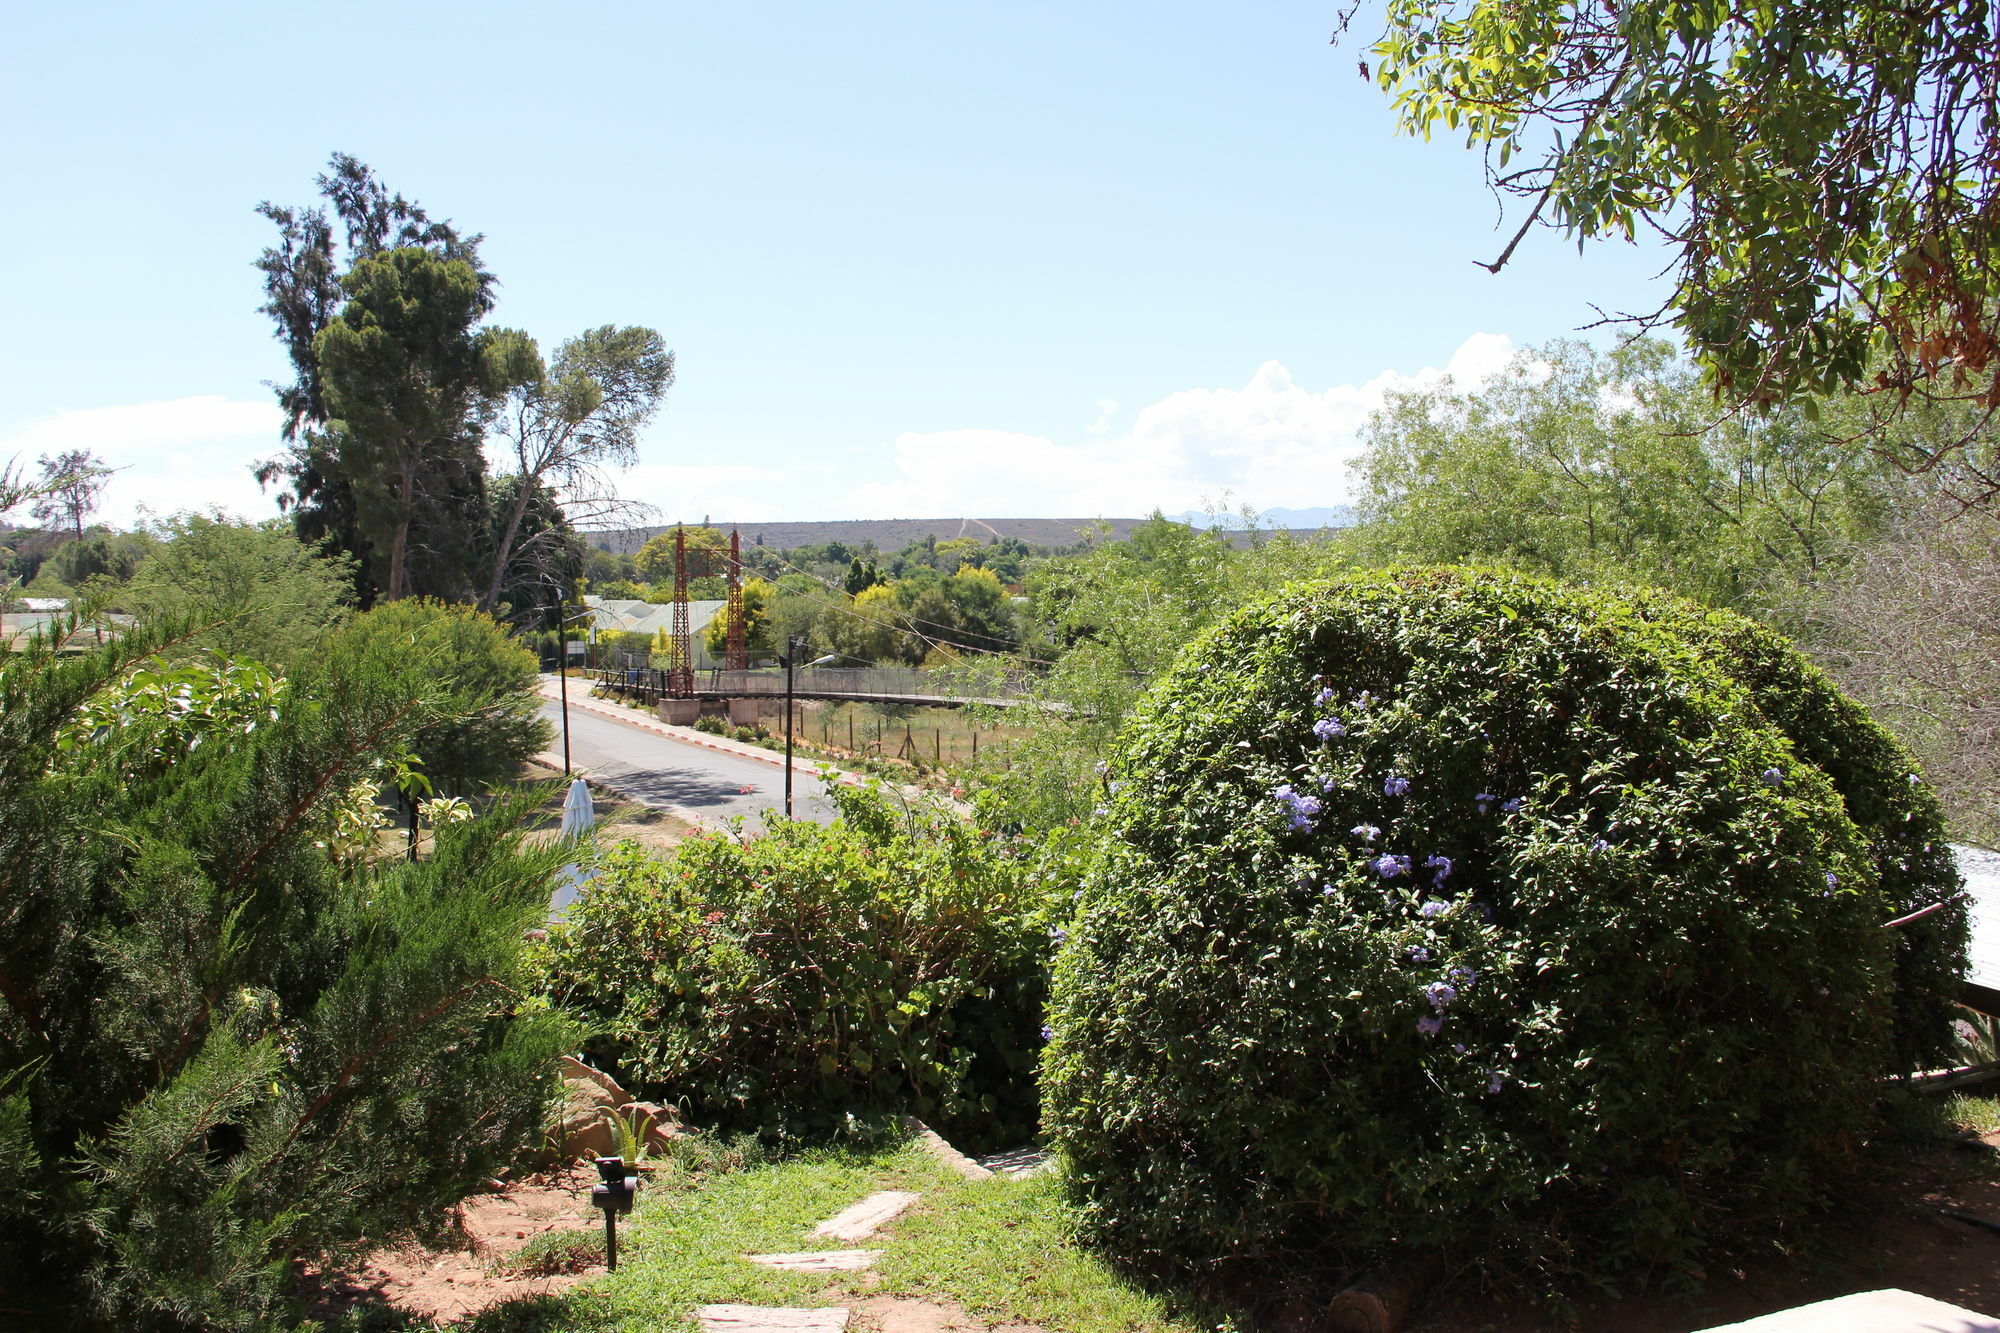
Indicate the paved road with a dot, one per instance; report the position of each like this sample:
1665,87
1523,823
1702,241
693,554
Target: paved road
676,776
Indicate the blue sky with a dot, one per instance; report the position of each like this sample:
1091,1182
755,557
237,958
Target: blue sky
915,259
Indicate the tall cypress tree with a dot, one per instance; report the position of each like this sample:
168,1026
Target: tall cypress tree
230,1036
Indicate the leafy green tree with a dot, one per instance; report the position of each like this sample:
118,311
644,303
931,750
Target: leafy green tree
707,555
404,372
548,561
303,294
1822,171
860,577
1586,465
468,654
872,630
230,1040
71,485
756,624
566,423
112,556
259,591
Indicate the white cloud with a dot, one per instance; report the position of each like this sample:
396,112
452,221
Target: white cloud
734,492
1269,444
188,453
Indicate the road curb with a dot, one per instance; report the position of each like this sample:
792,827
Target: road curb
690,736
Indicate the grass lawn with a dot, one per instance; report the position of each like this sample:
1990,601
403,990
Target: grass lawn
997,1247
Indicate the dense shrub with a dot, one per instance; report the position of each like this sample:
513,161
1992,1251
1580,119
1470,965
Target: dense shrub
496,722
1898,813
1455,911
893,960
224,1045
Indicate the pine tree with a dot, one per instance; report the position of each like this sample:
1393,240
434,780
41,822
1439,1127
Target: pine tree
230,1036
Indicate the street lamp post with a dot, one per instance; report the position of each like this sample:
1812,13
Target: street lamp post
562,675
792,656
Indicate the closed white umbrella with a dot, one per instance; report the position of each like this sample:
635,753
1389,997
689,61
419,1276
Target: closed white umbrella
578,812
578,815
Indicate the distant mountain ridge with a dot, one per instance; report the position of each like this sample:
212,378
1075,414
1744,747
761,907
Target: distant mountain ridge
893,534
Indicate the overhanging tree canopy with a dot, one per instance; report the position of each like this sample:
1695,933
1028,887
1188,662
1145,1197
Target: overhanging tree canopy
1828,173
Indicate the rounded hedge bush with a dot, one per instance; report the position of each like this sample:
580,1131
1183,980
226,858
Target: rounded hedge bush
1454,911
785,983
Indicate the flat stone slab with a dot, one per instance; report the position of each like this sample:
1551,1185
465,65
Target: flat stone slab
818,1261
766,1319
860,1221
1888,1311
1020,1163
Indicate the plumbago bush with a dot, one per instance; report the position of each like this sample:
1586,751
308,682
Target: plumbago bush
894,960
1446,911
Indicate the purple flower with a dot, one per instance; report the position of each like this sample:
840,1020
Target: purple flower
1116,787
1326,890
1434,908
1440,994
1395,786
1365,832
1102,768
1048,1033
1301,809
1495,1083
1486,800
1832,881
1100,812
1057,934
1458,1048
1419,954
1363,700
1324,697
1912,779
1329,727
1464,976
1430,1025
1441,864
1773,778
1511,807
1388,867
1329,785
1600,846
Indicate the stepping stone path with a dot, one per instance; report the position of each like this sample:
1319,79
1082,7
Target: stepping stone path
858,1222
818,1261
862,1220
759,1319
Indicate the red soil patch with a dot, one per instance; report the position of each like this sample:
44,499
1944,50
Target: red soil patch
466,1277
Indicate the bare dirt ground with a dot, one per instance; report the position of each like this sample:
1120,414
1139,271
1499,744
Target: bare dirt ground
1888,1233
466,1276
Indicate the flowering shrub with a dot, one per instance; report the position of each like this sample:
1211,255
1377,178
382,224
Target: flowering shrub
1553,950
894,960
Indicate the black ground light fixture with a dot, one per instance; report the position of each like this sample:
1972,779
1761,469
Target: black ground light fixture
614,1196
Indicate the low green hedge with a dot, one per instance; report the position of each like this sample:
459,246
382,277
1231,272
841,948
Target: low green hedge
894,960
1447,911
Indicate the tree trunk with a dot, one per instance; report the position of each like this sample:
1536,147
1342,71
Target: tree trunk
399,546
503,552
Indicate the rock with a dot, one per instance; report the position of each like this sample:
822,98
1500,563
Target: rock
576,1071
662,1122
587,1094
